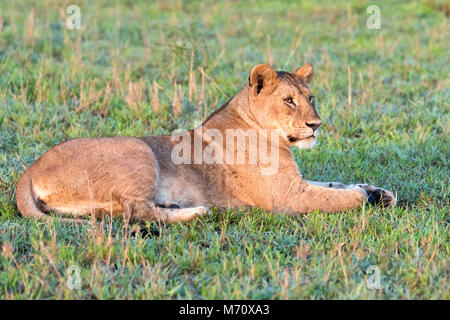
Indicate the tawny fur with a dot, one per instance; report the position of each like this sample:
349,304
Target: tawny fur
136,177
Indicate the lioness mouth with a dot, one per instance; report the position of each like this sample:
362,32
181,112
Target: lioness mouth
294,139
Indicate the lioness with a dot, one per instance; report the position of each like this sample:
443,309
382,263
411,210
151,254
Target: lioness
137,177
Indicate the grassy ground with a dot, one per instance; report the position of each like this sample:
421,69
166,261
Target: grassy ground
136,69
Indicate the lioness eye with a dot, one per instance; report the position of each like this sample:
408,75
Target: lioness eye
289,100
311,100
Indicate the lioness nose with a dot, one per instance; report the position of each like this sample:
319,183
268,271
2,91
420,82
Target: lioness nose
314,125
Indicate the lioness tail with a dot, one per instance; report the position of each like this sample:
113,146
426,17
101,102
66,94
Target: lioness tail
27,204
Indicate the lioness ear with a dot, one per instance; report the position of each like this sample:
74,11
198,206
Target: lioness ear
305,72
261,76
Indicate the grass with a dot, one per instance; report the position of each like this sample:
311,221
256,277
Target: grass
137,69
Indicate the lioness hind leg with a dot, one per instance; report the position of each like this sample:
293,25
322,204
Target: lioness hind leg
141,211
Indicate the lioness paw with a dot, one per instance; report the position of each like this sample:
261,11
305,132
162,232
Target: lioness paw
184,214
377,195
200,211
191,213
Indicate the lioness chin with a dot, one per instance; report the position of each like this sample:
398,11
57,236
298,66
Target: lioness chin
137,177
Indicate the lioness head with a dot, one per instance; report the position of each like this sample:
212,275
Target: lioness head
282,101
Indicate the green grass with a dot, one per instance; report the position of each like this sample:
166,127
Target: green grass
57,84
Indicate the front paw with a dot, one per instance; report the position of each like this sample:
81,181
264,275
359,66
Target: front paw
377,195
